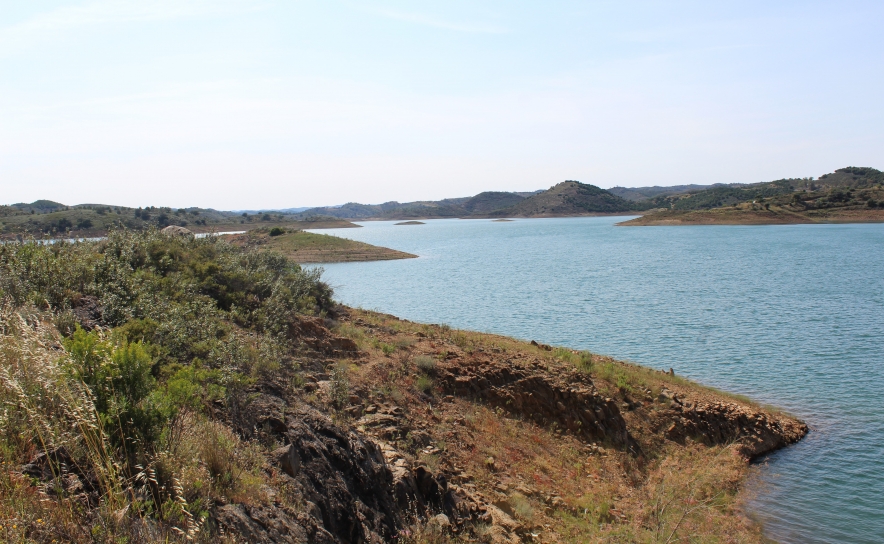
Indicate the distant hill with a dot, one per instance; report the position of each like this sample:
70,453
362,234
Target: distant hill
718,195
641,193
491,201
39,206
482,203
47,218
568,198
853,194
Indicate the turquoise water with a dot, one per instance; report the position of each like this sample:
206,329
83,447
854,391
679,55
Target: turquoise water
788,315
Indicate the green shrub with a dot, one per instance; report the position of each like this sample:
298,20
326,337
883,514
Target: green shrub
275,231
118,375
425,364
424,383
340,386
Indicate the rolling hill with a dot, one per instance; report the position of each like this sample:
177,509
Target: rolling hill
568,198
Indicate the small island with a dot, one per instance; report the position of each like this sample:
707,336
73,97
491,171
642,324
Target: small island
410,223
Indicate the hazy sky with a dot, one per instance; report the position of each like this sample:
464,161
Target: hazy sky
239,104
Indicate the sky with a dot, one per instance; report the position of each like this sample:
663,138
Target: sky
241,104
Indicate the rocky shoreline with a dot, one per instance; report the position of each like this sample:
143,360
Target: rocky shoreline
396,431
366,471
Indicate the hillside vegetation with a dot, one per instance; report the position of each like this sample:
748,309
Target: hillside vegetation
847,195
568,198
45,218
170,389
837,196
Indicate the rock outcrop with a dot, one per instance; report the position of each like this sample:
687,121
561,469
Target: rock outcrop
175,230
720,423
567,398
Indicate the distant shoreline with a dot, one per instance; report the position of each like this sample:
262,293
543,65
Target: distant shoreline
772,216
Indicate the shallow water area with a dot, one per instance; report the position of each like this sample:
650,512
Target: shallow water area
790,315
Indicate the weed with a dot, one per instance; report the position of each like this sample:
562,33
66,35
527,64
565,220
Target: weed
339,391
425,364
424,383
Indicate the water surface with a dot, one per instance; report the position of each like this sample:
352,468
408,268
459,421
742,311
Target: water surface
791,315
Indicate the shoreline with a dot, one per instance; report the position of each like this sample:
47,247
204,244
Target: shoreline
741,216
312,248
600,409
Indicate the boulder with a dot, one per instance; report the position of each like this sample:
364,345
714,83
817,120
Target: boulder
175,230
287,459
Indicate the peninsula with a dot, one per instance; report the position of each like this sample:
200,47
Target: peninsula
309,247
204,391
848,195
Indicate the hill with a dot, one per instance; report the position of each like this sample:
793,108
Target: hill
847,195
451,207
568,198
642,193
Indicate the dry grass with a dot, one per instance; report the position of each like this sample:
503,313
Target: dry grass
554,484
42,408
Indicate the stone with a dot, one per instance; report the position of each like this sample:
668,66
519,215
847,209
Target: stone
288,460
175,230
441,521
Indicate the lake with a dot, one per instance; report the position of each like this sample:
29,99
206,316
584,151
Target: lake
789,315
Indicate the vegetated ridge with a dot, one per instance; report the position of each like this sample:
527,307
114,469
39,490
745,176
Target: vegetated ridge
567,198
162,388
45,218
642,193
850,194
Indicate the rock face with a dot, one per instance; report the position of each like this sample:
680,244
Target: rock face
88,312
312,332
568,398
720,423
352,489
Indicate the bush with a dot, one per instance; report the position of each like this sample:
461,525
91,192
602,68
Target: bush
424,383
276,231
425,364
340,387
118,376
187,327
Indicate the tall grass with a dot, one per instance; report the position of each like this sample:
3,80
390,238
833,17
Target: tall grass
45,407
